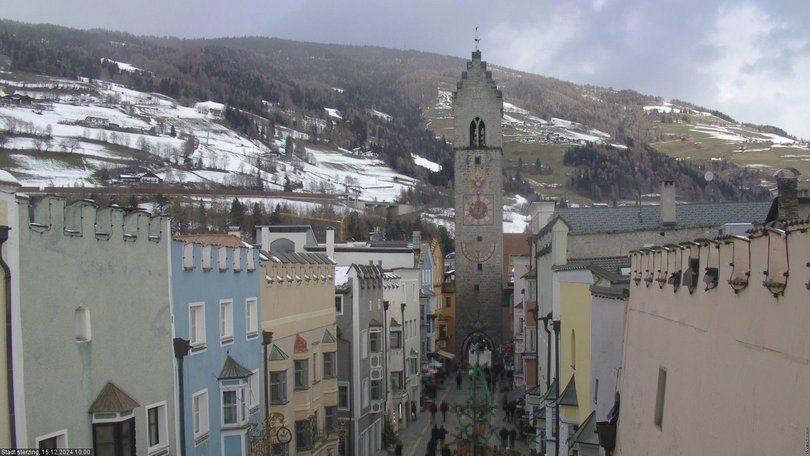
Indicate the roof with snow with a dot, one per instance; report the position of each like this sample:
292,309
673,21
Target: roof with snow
221,240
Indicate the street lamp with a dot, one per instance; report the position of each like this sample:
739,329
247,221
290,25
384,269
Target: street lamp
267,339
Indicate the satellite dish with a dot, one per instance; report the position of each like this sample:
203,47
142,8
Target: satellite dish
708,176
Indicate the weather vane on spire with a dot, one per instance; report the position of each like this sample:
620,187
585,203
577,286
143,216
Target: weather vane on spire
477,40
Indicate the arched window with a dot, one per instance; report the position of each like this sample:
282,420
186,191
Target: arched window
573,349
81,319
282,245
477,133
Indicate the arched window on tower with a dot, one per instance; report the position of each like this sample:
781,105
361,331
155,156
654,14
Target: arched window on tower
477,133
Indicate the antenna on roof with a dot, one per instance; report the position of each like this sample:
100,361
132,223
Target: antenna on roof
477,40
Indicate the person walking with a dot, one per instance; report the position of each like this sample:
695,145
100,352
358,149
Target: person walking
442,434
446,451
433,409
512,437
398,448
413,410
458,380
504,436
444,408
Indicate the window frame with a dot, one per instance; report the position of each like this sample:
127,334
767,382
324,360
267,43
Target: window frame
162,427
225,321
252,324
282,385
200,417
660,398
330,367
304,429
197,338
301,374
240,404
254,392
339,297
117,424
344,386
61,437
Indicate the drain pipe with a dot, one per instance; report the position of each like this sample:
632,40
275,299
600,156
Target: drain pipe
12,419
181,349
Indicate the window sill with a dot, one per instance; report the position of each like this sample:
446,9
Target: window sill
301,388
226,340
198,439
198,348
279,403
253,409
252,335
159,450
242,425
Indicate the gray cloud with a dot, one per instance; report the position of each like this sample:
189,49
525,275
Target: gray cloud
748,59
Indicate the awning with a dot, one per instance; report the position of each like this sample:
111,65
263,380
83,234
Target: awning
445,354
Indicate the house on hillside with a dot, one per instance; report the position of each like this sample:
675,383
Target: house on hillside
149,178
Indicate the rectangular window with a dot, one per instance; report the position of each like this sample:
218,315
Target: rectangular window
329,365
477,160
301,374
254,393
396,340
339,304
196,318
278,387
303,435
376,390
229,407
480,267
115,439
596,391
660,396
199,409
476,288
396,381
331,424
374,342
364,344
226,321
156,426
447,303
52,441
315,378
343,396
364,393
280,449
252,318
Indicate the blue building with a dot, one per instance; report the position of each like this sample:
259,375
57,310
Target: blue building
215,297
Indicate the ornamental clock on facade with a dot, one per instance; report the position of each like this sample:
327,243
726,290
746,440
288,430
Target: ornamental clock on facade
478,209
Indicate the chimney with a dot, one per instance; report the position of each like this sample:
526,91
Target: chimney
668,202
330,242
541,212
788,199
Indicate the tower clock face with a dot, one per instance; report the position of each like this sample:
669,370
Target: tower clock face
478,209
477,252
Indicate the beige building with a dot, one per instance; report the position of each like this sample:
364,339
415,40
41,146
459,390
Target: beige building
298,307
715,356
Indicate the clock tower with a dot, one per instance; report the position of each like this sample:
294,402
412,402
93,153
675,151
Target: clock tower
478,147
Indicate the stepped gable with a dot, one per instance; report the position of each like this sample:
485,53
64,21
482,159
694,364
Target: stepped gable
300,345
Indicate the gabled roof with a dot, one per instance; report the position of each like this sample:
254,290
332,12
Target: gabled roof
300,345
586,434
374,322
276,354
569,394
113,399
328,338
394,324
231,369
648,217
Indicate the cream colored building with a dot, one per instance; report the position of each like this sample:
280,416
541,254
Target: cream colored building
715,357
298,307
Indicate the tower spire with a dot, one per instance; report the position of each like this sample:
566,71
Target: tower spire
477,40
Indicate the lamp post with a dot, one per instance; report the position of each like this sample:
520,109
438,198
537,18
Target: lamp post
267,339
385,358
181,349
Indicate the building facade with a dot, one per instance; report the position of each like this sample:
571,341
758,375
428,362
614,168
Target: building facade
478,110
9,257
299,309
710,322
215,296
109,340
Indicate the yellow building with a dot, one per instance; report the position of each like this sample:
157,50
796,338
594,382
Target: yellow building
445,306
298,307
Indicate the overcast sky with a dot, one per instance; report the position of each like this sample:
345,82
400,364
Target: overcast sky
749,59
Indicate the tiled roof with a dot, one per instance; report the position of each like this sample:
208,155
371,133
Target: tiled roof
328,338
222,240
612,265
648,217
298,258
113,399
232,369
300,345
586,434
513,244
